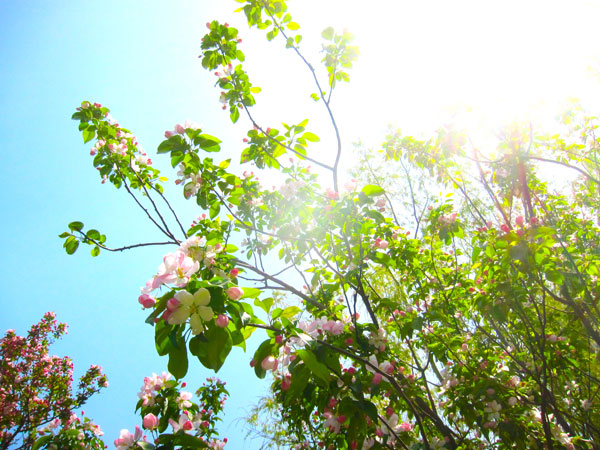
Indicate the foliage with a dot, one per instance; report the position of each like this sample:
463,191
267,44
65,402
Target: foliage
163,404
36,397
472,325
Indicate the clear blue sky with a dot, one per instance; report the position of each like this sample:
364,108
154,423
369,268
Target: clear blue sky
139,58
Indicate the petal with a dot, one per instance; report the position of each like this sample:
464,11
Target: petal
196,324
185,298
206,313
180,315
202,297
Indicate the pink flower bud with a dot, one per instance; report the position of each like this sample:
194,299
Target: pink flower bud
150,421
179,129
146,301
188,425
286,383
234,273
269,363
168,134
377,378
519,221
234,293
278,339
505,228
222,321
172,304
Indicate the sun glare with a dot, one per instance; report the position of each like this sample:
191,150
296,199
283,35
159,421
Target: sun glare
421,61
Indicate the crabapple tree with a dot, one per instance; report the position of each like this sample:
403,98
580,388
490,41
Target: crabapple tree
462,315
36,399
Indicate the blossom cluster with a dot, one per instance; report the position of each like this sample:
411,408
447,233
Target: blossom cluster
163,404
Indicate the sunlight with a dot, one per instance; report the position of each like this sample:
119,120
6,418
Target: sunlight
420,61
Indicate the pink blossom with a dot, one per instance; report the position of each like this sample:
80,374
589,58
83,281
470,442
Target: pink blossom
176,268
377,378
168,134
217,444
405,427
150,421
179,129
183,400
184,424
222,320
387,367
381,243
127,440
234,293
234,273
351,185
335,327
332,195
331,423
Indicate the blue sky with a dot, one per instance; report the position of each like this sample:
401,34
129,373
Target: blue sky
139,58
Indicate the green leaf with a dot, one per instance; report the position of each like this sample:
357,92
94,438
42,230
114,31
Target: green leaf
178,360
369,408
234,115
64,235
162,337
293,26
215,207
42,441
71,245
188,441
290,311
208,143
318,369
93,234
165,146
311,137
212,347
251,292
372,190
95,251
88,134
265,304
327,33
75,226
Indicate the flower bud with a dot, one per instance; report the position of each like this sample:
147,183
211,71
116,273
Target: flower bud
146,301
222,321
150,421
234,293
